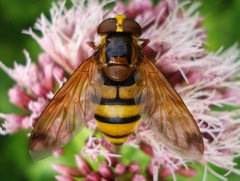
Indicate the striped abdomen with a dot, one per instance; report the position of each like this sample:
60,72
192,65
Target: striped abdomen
117,114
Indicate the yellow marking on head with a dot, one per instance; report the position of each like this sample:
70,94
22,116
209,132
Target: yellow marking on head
120,18
117,129
122,111
102,49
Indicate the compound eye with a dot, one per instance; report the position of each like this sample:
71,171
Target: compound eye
107,26
111,25
132,27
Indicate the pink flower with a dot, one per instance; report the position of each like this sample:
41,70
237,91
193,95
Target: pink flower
13,123
33,85
85,171
204,80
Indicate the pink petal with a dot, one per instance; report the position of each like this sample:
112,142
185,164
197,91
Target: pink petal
47,66
27,122
18,97
136,7
232,93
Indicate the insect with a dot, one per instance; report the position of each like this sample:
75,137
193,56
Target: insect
117,85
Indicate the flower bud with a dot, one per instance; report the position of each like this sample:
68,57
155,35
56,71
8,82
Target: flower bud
82,165
164,172
105,171
150,169
66,170
120,169
57,152
146,148
187,172
93,176
63,178
138,177
134,167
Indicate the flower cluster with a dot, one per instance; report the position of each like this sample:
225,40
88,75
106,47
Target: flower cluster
104,172
34,87
207,82
116,171
112,167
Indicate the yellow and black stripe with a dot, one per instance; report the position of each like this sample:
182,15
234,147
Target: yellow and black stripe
117,114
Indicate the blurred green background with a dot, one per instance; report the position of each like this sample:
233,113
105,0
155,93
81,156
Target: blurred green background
222,21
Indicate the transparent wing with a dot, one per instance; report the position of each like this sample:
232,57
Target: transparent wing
66,113
168,116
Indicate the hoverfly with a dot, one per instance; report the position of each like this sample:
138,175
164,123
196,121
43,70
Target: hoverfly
118,84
